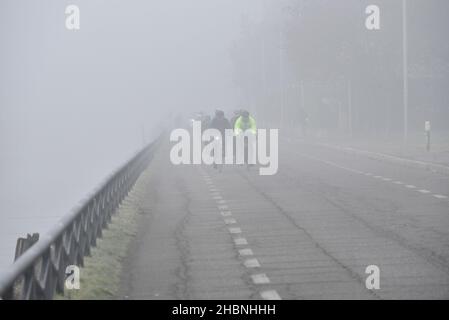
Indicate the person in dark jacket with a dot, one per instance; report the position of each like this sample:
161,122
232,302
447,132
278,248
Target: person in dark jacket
220,123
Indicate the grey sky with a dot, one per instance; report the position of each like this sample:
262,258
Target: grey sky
73,104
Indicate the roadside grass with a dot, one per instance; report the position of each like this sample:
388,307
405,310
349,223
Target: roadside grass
101,274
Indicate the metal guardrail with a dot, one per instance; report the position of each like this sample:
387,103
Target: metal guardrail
40,271
23,244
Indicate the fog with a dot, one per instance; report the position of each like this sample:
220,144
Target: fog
76,104
320,57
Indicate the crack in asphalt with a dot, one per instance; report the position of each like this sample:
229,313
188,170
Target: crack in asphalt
354,275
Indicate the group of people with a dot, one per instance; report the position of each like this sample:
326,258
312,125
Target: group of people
240,122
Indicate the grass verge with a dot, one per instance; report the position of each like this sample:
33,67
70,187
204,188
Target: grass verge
101,274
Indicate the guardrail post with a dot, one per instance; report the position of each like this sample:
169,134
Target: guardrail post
23,244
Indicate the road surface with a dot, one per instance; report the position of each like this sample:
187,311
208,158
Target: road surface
308,232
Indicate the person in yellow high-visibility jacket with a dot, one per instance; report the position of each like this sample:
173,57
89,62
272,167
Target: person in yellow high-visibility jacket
245,122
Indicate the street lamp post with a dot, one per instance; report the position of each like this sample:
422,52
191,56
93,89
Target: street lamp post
281,79
264,79
349,98
405,68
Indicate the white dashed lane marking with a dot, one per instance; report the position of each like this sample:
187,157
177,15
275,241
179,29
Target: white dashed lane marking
230,221
252,263
240,242
424,191
260,278
270,295
246,252
226,213
235,230
409,186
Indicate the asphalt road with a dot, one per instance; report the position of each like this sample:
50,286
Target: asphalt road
308,232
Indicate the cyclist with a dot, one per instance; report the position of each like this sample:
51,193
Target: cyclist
220,123
242,124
